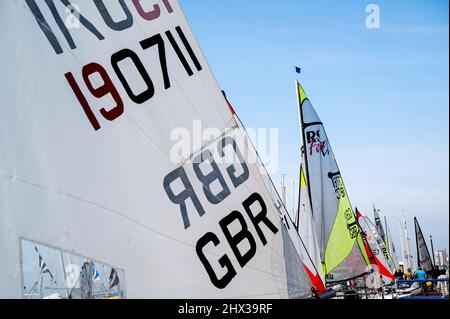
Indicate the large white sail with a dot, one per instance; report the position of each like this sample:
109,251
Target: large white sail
341,247
307,229
94,97
423,254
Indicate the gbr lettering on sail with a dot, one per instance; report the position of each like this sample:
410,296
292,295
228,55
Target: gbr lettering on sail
91,83
252,213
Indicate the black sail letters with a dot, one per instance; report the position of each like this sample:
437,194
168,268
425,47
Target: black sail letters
181,198
224,262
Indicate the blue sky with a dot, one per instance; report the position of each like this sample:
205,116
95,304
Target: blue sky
381,93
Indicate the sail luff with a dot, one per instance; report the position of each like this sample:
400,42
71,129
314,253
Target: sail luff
300,98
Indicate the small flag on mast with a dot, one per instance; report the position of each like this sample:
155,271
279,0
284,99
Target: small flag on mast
297,69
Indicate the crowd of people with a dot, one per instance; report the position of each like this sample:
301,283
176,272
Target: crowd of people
442,287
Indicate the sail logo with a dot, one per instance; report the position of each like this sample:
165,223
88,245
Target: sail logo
315,144
187,140
352,225
339,189
338,185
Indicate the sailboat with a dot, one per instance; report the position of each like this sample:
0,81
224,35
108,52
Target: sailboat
340,245
93,120
378,223
406,247
375,246
424,259
391,246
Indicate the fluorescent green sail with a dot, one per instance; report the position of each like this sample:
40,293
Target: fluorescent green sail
341,246
343,235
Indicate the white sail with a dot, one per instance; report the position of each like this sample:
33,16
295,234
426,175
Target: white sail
307,230
94,97
379,252
406,247
383,250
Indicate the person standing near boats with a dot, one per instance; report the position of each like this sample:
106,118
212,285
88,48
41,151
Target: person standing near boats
409,274
419,274
399,275
442,286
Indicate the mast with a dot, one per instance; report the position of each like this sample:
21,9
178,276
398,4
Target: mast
293,199
283,190
432,251
306,169
41,283
303,149
64,273
387,234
